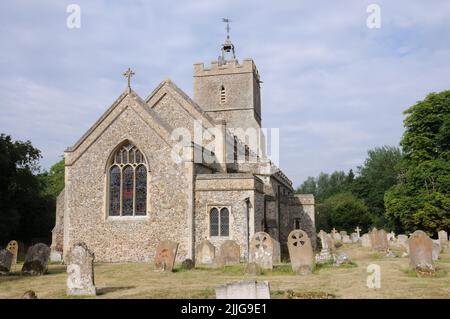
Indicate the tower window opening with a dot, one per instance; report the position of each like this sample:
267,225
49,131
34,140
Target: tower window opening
223,95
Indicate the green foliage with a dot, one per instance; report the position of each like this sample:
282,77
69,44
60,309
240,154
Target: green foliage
24,210
326,185
420,199
343,211
375,177
53,180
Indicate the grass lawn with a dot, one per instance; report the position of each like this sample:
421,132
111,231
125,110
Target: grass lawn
140,281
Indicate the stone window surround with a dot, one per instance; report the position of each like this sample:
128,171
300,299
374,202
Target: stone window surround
109,164
209,207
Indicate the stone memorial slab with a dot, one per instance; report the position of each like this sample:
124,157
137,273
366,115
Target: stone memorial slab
205,253
261,250
247,289
354,238
378,239
166,253
229,253
6,259
436,249
276,251
36,260
346,239
443,238
421,251
80,270
365,241
13,247
300,252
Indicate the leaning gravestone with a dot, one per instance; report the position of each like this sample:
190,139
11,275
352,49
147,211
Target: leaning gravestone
6,258
244,290
300,252
13,248
36,260
80,270
365,241
421,251
166,253
378,239
230,253
205,253
261,250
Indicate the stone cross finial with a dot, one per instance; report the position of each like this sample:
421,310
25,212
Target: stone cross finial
129,73
357,230
334,231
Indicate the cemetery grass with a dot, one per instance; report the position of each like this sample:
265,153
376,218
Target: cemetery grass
138,280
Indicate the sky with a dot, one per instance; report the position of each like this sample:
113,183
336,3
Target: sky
334,87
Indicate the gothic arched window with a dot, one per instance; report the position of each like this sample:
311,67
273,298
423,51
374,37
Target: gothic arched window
219,221
127,183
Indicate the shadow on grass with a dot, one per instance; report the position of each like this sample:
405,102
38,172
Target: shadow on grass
107,290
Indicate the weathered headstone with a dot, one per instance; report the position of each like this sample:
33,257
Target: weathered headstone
6,258
300,252
187,264
325,253
343,233
378,239
229,253
421,251
13,248
354,237
358,230
261,250
244,290
36,260
365,241
436,250
253,268
336,235
443,238
390,237
80,270
276,251
402,241
346,239
205,253
166,252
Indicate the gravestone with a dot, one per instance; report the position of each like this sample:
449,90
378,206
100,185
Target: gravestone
443,238
402,241
55,256
253,268
187,264
343,233
330,242
80,270
354,237
276,251
346,239
365,241
300,252
166,252
436,249
378,239
336,235
421,251
325,255
390,237
358,230
246,289
36,260
205,253
261,250
13,248
6,258
229,253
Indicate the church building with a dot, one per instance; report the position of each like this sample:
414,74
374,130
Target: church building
142,174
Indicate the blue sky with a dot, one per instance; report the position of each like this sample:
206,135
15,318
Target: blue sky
334,87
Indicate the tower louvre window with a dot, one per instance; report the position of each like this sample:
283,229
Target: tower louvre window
223,95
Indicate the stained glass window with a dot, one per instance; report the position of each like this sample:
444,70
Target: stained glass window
224,222
141,190
128,183
214,222
127,191
114,191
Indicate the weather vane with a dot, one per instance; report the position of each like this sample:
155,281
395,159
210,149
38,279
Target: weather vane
227,21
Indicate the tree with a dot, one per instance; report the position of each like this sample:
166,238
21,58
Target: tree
420,199
53,180
375,177
343,211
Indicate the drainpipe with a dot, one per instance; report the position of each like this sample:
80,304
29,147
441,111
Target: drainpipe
247,204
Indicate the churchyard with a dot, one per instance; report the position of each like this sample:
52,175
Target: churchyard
408,268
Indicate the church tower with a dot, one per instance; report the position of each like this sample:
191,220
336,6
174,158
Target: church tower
229,90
